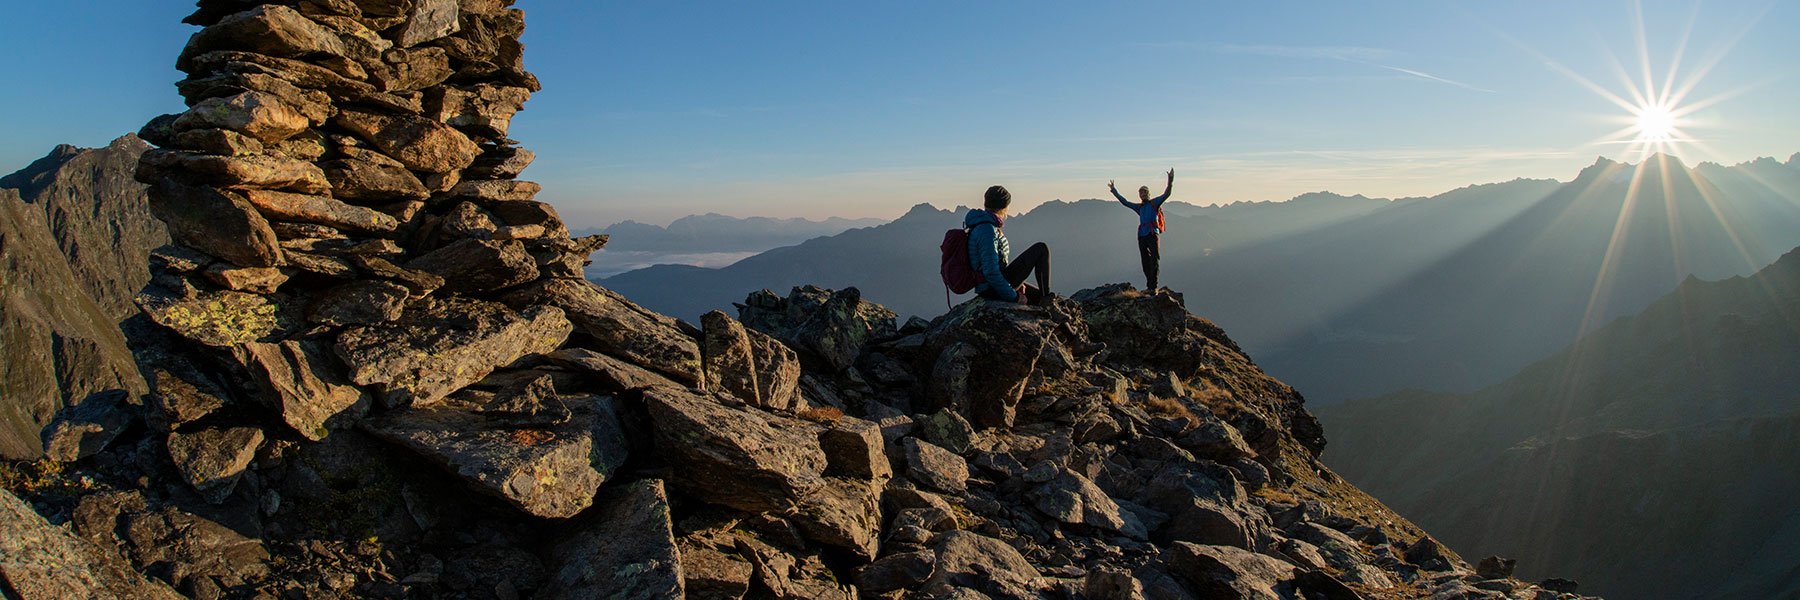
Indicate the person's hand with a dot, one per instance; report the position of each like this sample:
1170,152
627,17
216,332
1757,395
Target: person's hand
1110,186
1171,174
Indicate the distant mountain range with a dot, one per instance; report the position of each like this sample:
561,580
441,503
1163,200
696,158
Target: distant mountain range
74,233
1348,296
708,240
1669,433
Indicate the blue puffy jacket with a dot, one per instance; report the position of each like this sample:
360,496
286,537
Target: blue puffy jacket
988,253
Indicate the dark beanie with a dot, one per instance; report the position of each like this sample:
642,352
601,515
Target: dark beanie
997,198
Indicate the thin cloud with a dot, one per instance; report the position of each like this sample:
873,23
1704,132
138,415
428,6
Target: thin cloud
1362,55
1343,53
1430,77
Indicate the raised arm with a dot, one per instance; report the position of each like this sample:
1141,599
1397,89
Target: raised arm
1115,192
1166,191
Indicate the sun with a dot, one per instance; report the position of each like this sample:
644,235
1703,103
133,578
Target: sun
1655,123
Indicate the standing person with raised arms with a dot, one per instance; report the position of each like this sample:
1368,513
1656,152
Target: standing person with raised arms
1150,226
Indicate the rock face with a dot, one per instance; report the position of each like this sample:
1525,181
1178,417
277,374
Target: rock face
362,317
40,560
61,347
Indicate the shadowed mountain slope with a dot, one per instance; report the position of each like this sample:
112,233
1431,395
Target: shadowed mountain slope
1667,433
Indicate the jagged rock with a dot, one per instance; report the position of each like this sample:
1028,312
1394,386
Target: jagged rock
1156,332
497,191
528,403
419,283
257,171
212,459
1215,440
367,181
204,554
466,220
217,222
614,374
323,210
747,364
1071,498
181,396
40,560
830,326
501,163
564,258
420,144
478,265
624,550
1430,555
761,462
551,471
1205,505
843,512
218,318
936,467
261,116
361,302
428,20
971,560
854,448
442,345
85,429
948,429
269,29
709,574
256,280
414,68
619,327
1495,567
1226,572
302,384
986,354
742,458
902,571
484,110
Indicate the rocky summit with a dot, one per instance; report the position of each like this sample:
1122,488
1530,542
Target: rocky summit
373,369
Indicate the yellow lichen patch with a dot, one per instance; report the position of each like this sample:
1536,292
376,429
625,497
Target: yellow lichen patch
219,319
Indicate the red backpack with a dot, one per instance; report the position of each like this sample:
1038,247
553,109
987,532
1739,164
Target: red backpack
959,275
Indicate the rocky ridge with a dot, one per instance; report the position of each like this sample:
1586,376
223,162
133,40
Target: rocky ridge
375,371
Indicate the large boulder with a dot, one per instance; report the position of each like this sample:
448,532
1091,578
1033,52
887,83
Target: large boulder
269,29
986,355
1072,498
302,382
625,549
618,326
1228,573
548,471
419,143
473,265
212,459
747,364
442,345
757,461
40,560
825,326
217,222
323,210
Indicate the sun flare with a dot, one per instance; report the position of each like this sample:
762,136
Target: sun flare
1655,123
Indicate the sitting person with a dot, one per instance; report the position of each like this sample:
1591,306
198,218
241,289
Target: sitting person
1000,278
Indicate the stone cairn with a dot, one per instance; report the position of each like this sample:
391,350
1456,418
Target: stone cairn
350,239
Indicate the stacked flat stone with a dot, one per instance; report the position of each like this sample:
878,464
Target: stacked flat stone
349,234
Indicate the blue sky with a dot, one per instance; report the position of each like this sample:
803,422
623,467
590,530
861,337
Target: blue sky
652,110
